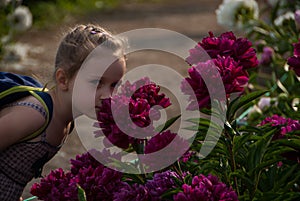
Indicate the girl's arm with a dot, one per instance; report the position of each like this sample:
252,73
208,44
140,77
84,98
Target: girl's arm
18,122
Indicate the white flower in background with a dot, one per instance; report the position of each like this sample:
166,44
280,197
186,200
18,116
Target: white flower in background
235,13
21,18
287,16
263,104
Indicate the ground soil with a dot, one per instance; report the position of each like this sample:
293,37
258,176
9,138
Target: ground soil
193,18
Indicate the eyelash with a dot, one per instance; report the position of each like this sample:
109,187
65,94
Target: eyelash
99,82
116,84
96,82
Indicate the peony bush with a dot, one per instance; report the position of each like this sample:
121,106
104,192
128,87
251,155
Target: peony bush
256,156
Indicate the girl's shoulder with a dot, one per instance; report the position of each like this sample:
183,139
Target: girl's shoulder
23,100
21,120
15,87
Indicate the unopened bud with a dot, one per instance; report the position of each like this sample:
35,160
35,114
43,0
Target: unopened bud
297,19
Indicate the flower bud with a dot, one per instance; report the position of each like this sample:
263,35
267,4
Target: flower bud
297,19
267,55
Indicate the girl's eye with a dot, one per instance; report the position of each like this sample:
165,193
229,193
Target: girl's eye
96,82
116,84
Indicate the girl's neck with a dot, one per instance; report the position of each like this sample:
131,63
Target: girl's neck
62,112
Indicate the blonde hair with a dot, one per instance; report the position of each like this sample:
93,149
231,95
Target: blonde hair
80,42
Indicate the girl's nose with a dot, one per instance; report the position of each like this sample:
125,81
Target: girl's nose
105,93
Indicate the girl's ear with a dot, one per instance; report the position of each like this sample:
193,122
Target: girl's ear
62,80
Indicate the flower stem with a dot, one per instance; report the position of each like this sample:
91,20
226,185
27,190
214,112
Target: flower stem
230,145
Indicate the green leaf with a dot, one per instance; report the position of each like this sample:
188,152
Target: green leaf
241,101
203,125
257,151
243,176
169,123
169,193
128,166
285,178
266,164
239,141
134,178
294,143
81,193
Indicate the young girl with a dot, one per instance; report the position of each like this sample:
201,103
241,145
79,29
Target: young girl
21,160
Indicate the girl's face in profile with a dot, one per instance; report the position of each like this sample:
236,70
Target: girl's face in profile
94,83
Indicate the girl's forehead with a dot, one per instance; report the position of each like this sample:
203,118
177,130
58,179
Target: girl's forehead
97,70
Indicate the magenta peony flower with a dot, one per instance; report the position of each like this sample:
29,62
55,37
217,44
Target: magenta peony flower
159,141
136,192
198,86
84,160
187,156
109,127
286,124
163,139
98,181
56,186
137,98
225,45
233,76
151,191
294,61
206,188
161,183
172,147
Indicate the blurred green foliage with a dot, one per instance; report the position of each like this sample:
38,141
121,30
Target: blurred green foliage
50,12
